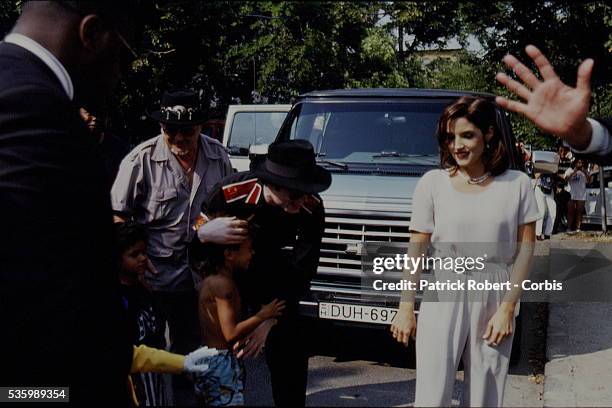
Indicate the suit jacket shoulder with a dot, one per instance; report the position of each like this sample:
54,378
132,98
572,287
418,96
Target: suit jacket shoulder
19,68
607,122
56,251
596,158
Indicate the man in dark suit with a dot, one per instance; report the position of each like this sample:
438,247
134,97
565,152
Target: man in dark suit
62,319
557,108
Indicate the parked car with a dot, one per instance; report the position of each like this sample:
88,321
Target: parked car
247,125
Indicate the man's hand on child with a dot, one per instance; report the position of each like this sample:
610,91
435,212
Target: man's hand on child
272,309
224,230
195,362
253,345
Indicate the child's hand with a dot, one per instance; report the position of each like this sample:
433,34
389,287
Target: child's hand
272,309
254,344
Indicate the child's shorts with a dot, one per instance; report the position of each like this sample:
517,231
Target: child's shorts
223,383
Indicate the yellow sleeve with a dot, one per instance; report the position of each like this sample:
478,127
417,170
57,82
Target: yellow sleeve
148,359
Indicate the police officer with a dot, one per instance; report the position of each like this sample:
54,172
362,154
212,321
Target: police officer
162,184
278,196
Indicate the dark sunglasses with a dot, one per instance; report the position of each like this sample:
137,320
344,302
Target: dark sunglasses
291,193
295,194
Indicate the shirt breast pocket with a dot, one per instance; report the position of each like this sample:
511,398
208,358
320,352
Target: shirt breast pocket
160,203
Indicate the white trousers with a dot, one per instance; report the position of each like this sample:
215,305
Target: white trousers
547,208
448,331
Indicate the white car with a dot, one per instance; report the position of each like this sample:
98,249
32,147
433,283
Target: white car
593,202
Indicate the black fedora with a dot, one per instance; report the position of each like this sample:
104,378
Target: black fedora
179,107
292,165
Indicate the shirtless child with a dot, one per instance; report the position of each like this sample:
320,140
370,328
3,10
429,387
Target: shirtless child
219,311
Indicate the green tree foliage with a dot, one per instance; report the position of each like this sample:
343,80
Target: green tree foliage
566,31
302,46
463,72
419,24
379,54
467,72
9,10
227,50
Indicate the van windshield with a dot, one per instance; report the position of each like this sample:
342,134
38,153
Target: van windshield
371,132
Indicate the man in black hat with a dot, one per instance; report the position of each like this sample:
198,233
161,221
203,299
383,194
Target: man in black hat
162,184
279,196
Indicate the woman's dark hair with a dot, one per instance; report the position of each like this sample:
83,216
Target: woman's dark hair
483,114
128,234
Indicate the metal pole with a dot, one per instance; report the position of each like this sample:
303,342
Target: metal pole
254,76
604,200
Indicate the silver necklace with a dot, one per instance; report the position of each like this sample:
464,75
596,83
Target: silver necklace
476,180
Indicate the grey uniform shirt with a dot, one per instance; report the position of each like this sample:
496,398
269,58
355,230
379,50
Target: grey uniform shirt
152,187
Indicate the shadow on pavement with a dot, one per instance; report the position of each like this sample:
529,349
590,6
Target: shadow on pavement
367,395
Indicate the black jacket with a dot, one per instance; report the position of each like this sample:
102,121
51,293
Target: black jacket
287,246
63,321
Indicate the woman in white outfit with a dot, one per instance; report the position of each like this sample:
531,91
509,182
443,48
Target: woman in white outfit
544,194
474,198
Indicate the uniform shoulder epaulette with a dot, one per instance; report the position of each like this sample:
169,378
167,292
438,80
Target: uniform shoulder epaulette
250,190
311,202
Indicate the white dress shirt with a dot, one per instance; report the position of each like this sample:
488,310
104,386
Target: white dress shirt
600,140
47,57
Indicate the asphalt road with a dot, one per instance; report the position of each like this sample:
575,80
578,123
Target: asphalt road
365,368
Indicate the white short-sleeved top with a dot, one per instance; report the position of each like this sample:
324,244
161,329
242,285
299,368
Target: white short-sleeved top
577,184
491,216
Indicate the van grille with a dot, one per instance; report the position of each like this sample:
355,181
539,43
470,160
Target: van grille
345,234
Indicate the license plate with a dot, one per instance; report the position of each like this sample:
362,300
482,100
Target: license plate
357,313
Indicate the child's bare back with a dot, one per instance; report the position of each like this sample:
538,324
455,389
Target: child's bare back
215,287
219,311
